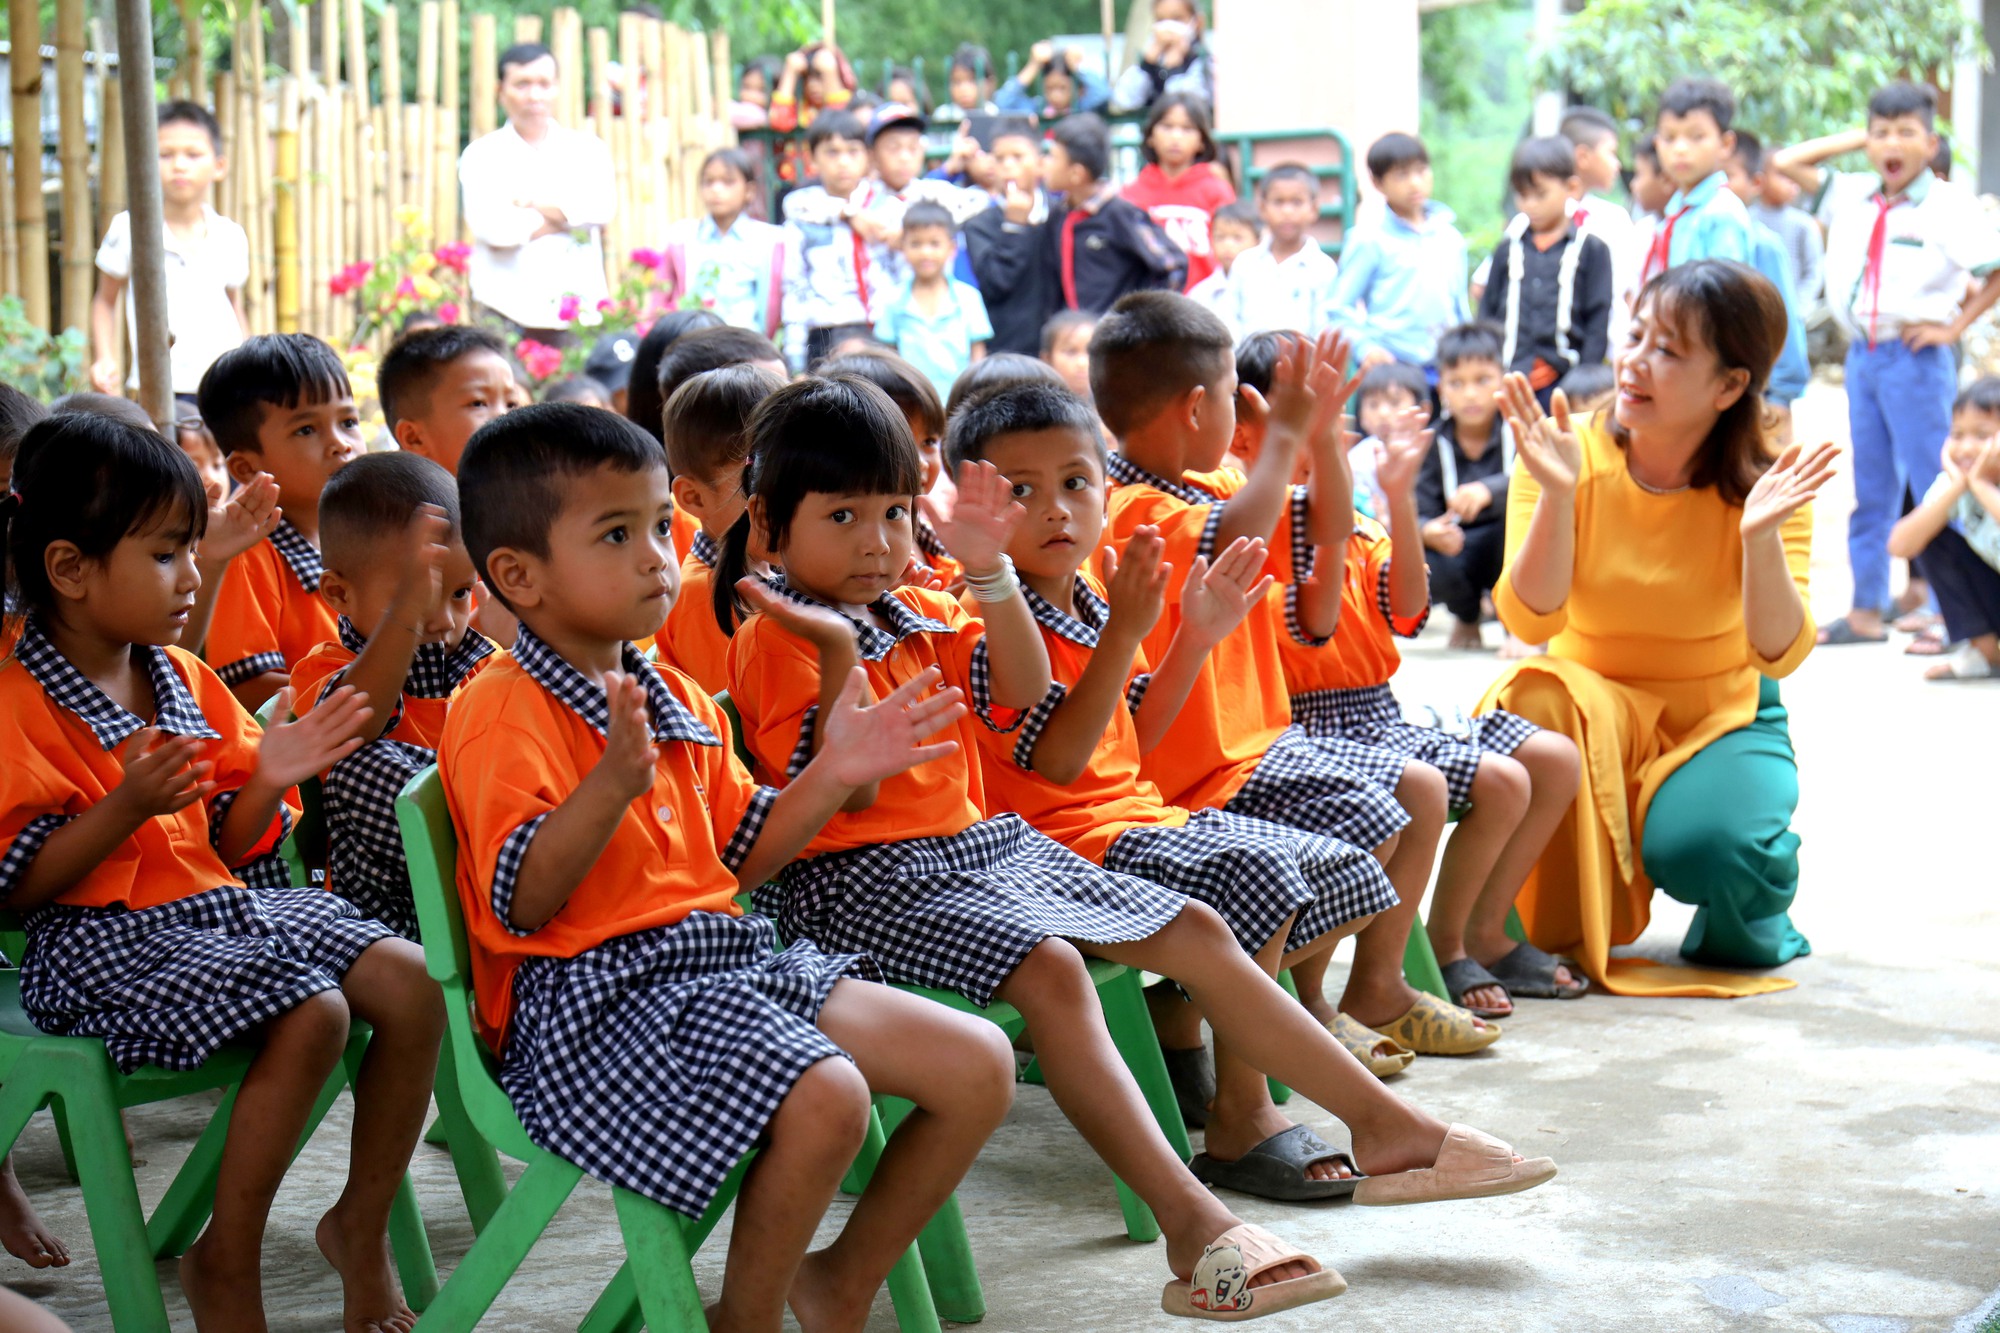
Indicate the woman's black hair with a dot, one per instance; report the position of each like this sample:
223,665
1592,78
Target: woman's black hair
89,479
1198,114
643,402
836,434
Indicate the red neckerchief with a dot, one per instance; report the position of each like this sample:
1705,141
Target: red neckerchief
1068,256
1661,255
1871,275
860,268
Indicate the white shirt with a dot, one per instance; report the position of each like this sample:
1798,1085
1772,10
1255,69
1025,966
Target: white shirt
1933,242
1294,293
1217,292
1628,244
200,275
524,279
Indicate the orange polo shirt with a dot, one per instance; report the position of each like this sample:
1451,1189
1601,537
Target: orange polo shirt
57,767
1239,704
419,720
1110,796
512,751
1363,649
682,527
693,641
774,683
267,615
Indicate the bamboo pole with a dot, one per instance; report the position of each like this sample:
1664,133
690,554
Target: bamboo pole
148,285
826,21
31,219
246,169
390,52
262,222
568,44
423,172
414,147
79,238
448,129
653,181
111,171
361,229
10,272
285,208
627,152
302,175
193,77
527,28
485,94
228,197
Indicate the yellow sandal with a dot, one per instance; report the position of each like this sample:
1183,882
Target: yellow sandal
1435,1027
1365,1044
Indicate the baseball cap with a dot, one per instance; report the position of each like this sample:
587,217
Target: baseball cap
890,115
610,362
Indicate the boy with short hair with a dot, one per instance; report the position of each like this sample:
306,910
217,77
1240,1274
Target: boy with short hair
708,441
1099,245
1551,286
603,822
1593,135
1902,248
279,405
936,322
1402,276
399,579
1288,281
1955,531
1003,244
1650,192
439,385
1165,379
1462,487
837,280
207,261
1232,233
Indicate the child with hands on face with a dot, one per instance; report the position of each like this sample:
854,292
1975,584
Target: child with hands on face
141,802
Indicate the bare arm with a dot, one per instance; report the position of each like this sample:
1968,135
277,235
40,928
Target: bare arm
1774,610
1916,529
1138,590
1801,161
1403,451
161,778
1548,447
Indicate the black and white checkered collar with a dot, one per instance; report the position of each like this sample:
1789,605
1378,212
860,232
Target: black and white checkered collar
874,642
1125,472
175,711
300,554
1084,626
703,548
672,720
435,671
929,542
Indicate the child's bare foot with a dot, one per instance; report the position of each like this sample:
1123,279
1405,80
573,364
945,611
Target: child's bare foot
1465,637
372,1299
21,1229
1513,649
224,1291
819,1301
1233,1132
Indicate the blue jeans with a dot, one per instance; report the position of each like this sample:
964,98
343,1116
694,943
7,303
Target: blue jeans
1898,413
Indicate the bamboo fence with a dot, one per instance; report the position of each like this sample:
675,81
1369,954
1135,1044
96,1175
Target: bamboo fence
340,147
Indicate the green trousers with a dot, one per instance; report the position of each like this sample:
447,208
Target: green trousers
1719,836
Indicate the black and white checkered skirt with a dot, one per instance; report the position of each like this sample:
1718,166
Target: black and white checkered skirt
167,985
1305,784
656,1060
1255,874
1370,717
960,913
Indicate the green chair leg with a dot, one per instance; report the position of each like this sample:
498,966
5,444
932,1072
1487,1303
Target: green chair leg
437,1136
1131,1029
617,1307
1280,1094
657,1256
111,1201
61,1117
480,1180
947,1250
183,1210
1420,963
412,1248
511,1232
1515,930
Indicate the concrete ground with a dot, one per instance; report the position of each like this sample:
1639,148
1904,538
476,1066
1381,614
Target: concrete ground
1827,1158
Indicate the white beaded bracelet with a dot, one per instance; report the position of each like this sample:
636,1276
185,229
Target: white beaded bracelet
997,587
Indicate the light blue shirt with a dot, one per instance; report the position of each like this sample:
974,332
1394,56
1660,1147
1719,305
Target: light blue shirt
939,345
1400,286
730,271
1715,224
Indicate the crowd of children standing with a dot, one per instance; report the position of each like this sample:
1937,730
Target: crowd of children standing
1078,644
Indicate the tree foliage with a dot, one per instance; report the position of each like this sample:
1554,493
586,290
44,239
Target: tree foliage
1799,67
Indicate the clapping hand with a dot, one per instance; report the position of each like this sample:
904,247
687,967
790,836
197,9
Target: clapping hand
1787,486
241,521
421,586
866,743
161,777
630,757
1401,456
821,626
291,752
1136,583
975,518
1548,444
1217,596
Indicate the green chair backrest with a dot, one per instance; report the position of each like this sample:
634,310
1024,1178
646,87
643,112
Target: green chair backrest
728,706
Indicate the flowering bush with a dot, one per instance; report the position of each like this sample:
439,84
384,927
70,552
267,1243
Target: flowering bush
638,300
361,367
413,276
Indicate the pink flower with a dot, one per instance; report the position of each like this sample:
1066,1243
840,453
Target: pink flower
606,304
406,290
349,278
652,259
453,256
539,359
568,310
449,312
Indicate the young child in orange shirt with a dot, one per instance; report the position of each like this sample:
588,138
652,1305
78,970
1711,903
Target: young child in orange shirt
1073,769
440,384
1165,378
939,895
707,423
136,797
279,404
1512,780
917,399
606,827
398,577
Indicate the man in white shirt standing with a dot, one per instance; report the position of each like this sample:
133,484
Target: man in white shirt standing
537,198
1594,136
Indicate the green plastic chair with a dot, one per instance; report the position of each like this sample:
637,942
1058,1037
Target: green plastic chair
84,1091
656,1283
1125,1015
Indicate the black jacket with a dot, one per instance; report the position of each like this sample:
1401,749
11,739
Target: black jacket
1015,279
1571,278
1116,249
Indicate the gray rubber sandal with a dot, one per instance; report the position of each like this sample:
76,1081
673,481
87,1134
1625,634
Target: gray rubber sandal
1531,973
1462,976
1276,1169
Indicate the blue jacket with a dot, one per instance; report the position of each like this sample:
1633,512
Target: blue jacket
1770,257
1716,225
1092,93
1401,286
